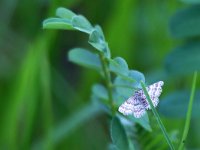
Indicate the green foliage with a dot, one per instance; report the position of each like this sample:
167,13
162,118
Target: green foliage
68,20
57,23
65,13
124,82
101,61
45,101
119,66
118,135
144,121
181,62
71,21
124,86
85,58
185,23
174,105
97,40
184,59
82,24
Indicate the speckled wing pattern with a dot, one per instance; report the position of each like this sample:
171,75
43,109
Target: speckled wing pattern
137,104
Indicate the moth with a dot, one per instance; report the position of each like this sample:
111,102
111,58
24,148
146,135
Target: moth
137,104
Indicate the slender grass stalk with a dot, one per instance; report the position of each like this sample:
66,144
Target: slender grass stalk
162,127
108,81
189,113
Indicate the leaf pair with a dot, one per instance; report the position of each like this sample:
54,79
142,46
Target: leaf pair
67,20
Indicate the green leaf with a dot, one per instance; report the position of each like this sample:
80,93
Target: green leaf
175,105
118,135
99,29
119,66
84,58
65,13
57,23
143,121
97,40
129,127
126,87
184,59
186,23
100,91
82,24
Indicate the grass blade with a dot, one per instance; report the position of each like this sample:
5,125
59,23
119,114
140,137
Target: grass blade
189,112
157,117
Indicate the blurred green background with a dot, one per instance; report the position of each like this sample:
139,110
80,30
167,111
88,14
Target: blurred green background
44,99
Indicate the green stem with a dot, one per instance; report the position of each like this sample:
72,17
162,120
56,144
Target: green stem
108,81
157,117
189,113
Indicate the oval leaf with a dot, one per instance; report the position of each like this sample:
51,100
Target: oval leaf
125,87
65,13
84,58
143,121
119,66
82,24
186,22
118,135
184,59
175,105
96,40
57,23
99,29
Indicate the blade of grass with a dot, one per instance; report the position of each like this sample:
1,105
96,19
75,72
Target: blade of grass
162,127
45,78
17,99
189,113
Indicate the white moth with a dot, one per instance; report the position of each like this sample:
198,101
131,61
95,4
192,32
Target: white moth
137,104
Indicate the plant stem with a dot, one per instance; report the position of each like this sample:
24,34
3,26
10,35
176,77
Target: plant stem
157,117
108,81
189,112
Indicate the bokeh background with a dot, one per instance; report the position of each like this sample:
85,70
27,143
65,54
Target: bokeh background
44,98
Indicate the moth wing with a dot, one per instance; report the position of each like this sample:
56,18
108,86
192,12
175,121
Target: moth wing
133,106
154,92
127,107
